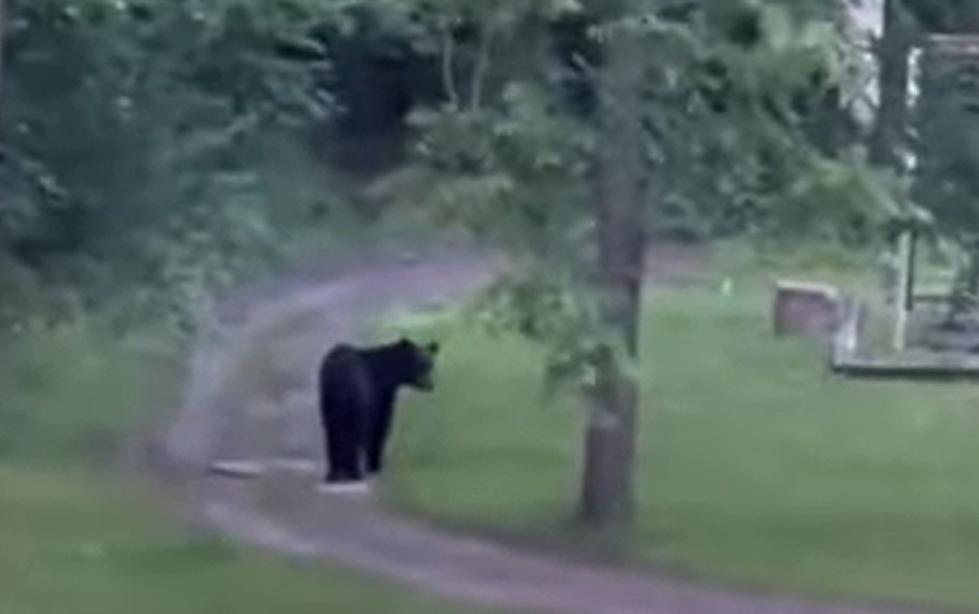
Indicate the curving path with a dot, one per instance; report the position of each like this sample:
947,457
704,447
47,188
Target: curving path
271,502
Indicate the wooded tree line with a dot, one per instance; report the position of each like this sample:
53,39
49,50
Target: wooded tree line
151,152
135,142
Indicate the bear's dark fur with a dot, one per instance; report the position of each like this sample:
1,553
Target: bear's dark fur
358,389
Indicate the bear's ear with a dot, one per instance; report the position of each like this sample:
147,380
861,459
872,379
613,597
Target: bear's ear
433,348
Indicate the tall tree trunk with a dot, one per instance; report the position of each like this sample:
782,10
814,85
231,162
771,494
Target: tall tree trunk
607,495
891,123
3,42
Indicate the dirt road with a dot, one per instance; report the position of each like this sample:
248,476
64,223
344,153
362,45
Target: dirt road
272,425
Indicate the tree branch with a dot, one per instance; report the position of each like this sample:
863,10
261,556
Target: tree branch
487,33
448,65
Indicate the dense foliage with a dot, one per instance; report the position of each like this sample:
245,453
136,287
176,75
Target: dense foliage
136,140
153,149
741,108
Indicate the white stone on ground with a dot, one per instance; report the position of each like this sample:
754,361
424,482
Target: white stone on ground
344,488
238,468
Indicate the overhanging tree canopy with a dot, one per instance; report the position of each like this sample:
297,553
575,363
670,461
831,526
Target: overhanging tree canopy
567,142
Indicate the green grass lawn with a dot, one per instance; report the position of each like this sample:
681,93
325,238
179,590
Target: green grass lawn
756,466
75,537
73,541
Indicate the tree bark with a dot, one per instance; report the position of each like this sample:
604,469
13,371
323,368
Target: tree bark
888,138
3,42
608,493
487,33
607,496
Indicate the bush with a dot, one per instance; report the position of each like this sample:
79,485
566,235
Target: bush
70,393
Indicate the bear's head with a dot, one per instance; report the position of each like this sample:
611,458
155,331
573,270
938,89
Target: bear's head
417,363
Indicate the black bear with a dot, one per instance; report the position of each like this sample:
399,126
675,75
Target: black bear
358,389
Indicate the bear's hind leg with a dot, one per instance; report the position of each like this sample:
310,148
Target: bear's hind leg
345,475
343,450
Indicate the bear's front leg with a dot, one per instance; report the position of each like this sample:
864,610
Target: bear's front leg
374,453
375,461
377,435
